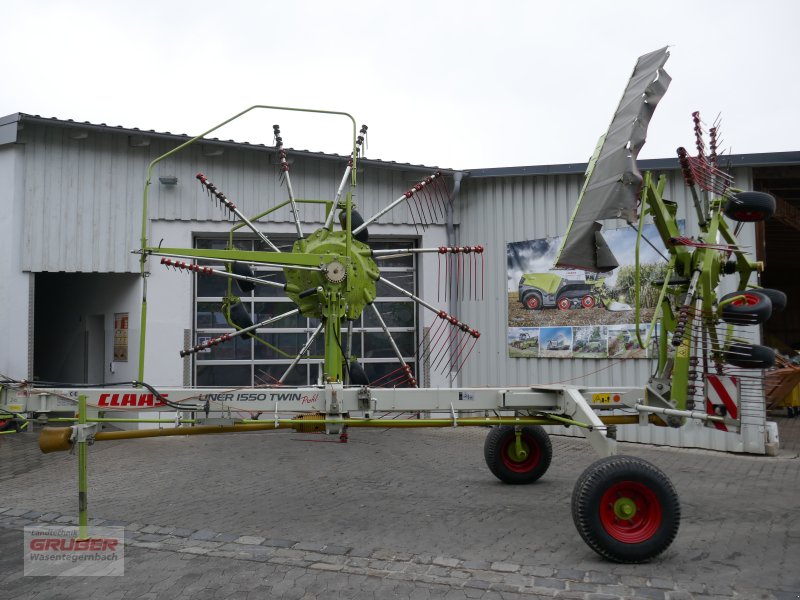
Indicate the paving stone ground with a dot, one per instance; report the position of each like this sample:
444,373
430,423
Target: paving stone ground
392,514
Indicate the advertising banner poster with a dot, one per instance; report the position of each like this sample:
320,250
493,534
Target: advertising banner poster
558,313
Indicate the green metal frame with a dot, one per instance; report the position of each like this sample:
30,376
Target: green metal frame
83,478
704,264
329,206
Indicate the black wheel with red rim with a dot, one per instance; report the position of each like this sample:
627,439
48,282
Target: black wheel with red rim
518,457
749,207
532,300
564,303
588,301
750,356
626,509
745,307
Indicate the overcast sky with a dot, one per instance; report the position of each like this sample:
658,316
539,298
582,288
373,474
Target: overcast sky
458,84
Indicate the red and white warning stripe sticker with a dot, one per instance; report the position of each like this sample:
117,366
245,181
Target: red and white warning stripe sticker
722,398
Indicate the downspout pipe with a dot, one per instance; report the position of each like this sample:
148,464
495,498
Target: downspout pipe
452,306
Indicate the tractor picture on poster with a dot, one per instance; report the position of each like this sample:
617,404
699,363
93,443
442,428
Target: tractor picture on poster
524,342
564,291
590,342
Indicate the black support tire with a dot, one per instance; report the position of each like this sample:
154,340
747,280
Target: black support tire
750,356
510,466
626,509
777,297
239,316
749,207
358,376
244,270
746,307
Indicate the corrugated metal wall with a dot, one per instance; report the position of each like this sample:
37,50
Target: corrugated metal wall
251,180
495,211
80,204
83,196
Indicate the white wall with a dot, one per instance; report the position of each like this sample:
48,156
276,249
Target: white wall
14,284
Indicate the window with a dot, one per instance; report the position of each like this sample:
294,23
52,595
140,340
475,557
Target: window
243,361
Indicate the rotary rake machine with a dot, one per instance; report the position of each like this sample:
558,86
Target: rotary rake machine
624,508
331,275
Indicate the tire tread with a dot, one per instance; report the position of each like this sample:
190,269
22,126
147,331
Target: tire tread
582,513
492,448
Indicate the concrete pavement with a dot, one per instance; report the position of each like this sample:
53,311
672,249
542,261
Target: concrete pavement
393,514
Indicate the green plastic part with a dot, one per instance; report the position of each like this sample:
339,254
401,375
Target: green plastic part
625,509
547,282
518,452
83,478
344,284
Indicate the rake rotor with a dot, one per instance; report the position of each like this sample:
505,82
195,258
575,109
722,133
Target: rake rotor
331,275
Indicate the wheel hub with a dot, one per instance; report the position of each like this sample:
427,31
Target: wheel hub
630,512
625,508
335,272
351,279
520,454
518,451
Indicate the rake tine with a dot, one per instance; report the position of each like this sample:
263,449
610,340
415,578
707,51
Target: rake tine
482,269
443,183
434,202
382,377
461,343
446,342
420,213
432,342
471,274
472,346
426,198
439,278
420,195
431,335
442,199
463,274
